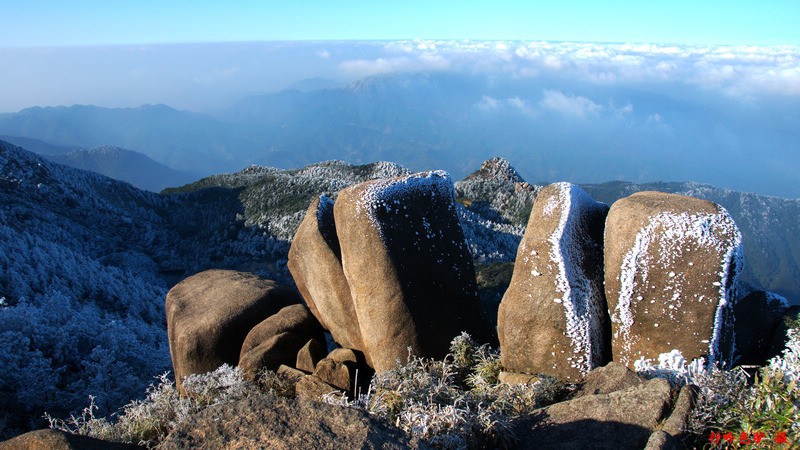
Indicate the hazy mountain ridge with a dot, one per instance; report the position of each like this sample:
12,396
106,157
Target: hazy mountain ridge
495,201
37,145
554,129
125,165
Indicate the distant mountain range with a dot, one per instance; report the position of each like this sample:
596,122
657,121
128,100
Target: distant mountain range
550,128
113,162
125,165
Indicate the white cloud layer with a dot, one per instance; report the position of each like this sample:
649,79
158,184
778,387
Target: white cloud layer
735,70
575,106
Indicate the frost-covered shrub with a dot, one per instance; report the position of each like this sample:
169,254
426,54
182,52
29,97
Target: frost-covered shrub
148,421
732,401
457,402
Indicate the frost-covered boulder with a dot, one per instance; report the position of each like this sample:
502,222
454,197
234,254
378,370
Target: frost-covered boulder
210,313
553,318
315,262
409,270
671,264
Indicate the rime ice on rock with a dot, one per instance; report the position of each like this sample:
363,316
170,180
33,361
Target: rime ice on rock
408,267
670,266
553,318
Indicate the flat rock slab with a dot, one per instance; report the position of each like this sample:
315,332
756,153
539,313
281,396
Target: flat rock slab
619,420
48,439
276,423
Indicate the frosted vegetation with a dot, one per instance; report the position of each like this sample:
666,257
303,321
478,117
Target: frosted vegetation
458,402
84,269
734,401
453,403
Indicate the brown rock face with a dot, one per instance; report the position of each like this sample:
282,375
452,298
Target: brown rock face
406,262
295,319
278,339
315,262
553,318
272,353
618,420
275,423
311,353
48,439
607,379
209,315
670,268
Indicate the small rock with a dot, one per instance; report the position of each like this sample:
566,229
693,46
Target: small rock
312,387
280,349
343,355
310,355
607,379
517,378
290,373
338,374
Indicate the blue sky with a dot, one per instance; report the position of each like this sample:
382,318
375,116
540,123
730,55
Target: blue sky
88,22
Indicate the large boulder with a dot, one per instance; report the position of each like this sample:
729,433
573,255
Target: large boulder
408,267
671,264
553,318
209,315
315,262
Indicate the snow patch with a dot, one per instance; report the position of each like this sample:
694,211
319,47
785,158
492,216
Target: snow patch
382,193
674,367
